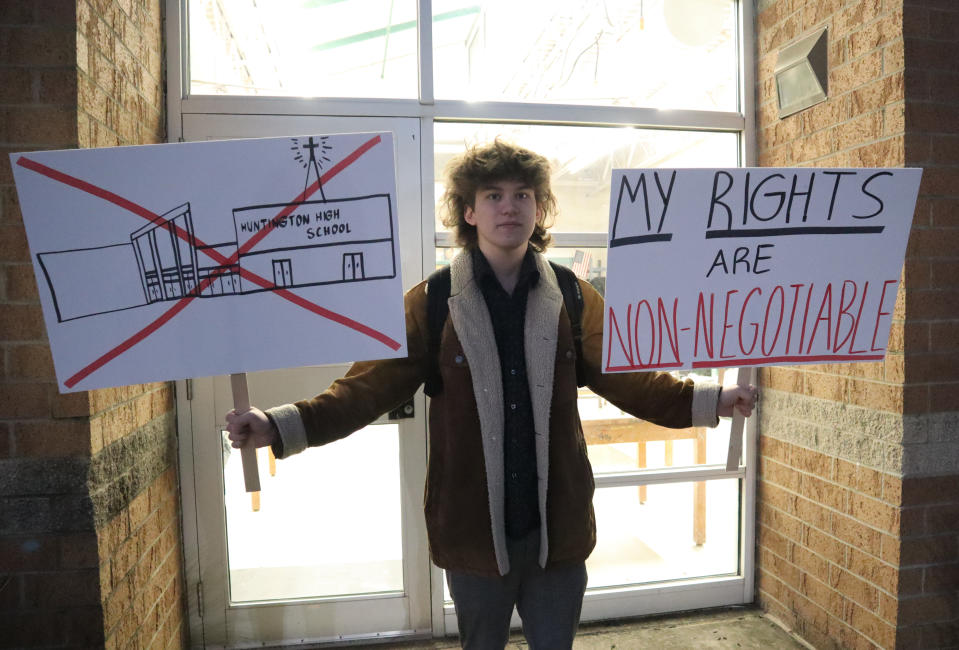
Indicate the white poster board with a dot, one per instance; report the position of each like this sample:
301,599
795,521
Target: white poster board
715,268
182,260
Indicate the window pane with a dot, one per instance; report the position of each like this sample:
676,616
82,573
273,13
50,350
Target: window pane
286,550
308,48
683,530
655,53
618,442
582,159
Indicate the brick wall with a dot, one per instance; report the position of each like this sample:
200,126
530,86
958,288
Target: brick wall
929,550
89,512
857,531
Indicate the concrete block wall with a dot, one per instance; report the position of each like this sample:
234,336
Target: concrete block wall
857,543
90,550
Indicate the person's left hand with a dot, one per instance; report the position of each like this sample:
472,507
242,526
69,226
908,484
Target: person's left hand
737,398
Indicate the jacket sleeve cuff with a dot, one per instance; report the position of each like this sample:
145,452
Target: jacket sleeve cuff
289,424
705,401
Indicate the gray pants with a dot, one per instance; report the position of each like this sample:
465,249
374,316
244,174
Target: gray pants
548,602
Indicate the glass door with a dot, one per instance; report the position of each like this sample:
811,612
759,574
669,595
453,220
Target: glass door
633,83
334,546
671,519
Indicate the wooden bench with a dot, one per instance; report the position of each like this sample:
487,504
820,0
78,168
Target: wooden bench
629,429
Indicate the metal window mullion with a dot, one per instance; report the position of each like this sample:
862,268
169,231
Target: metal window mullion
424,50
177,65
582,115
747,83
459,111
667,475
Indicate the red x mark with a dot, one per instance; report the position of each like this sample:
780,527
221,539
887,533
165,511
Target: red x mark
218,257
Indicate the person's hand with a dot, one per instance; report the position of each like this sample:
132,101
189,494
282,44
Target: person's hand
252,425
737,398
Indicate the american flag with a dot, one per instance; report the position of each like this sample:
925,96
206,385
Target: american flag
580,264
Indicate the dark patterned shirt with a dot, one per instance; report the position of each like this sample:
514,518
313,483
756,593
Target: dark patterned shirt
508,314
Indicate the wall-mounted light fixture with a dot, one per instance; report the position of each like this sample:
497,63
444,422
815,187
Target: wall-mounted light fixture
802,73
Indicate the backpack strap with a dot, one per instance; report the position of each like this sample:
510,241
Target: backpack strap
573,299
437,309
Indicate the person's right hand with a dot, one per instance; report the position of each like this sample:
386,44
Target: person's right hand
252,425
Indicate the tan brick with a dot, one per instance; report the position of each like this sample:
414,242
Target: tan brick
780,567
810,563
30,362
812,462
941,578
875,395
877,630
910,582
856,73
37,45
942,518
822,116
40,125
823,492
117,602
893,124
775,37
16,85
817,12
855,14
773,542
940,549
139,509
871,569
113,534
861,129
775,449
26,399
890,549
912,522
780,474
784,379
875,513
57,86
888,90
894,368
777,497
52,438
926,609
854,588
829,387
859,478
877,153
826,545
13,243
814,514
882,32
830,599
811,614
855,533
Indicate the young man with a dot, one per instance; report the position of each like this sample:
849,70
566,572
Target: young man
509,486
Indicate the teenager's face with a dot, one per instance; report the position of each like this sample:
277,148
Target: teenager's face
504,213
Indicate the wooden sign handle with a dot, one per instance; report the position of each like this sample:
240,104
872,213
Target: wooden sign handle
735,452
241,404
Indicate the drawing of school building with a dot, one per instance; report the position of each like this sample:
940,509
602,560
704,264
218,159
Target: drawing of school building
276,245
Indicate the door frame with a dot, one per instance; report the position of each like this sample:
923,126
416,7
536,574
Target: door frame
214,620
427,109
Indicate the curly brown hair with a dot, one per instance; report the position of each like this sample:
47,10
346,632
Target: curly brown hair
483,165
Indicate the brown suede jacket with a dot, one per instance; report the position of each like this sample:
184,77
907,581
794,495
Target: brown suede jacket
464,496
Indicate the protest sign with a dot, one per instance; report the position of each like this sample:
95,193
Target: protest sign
182,260
752,267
